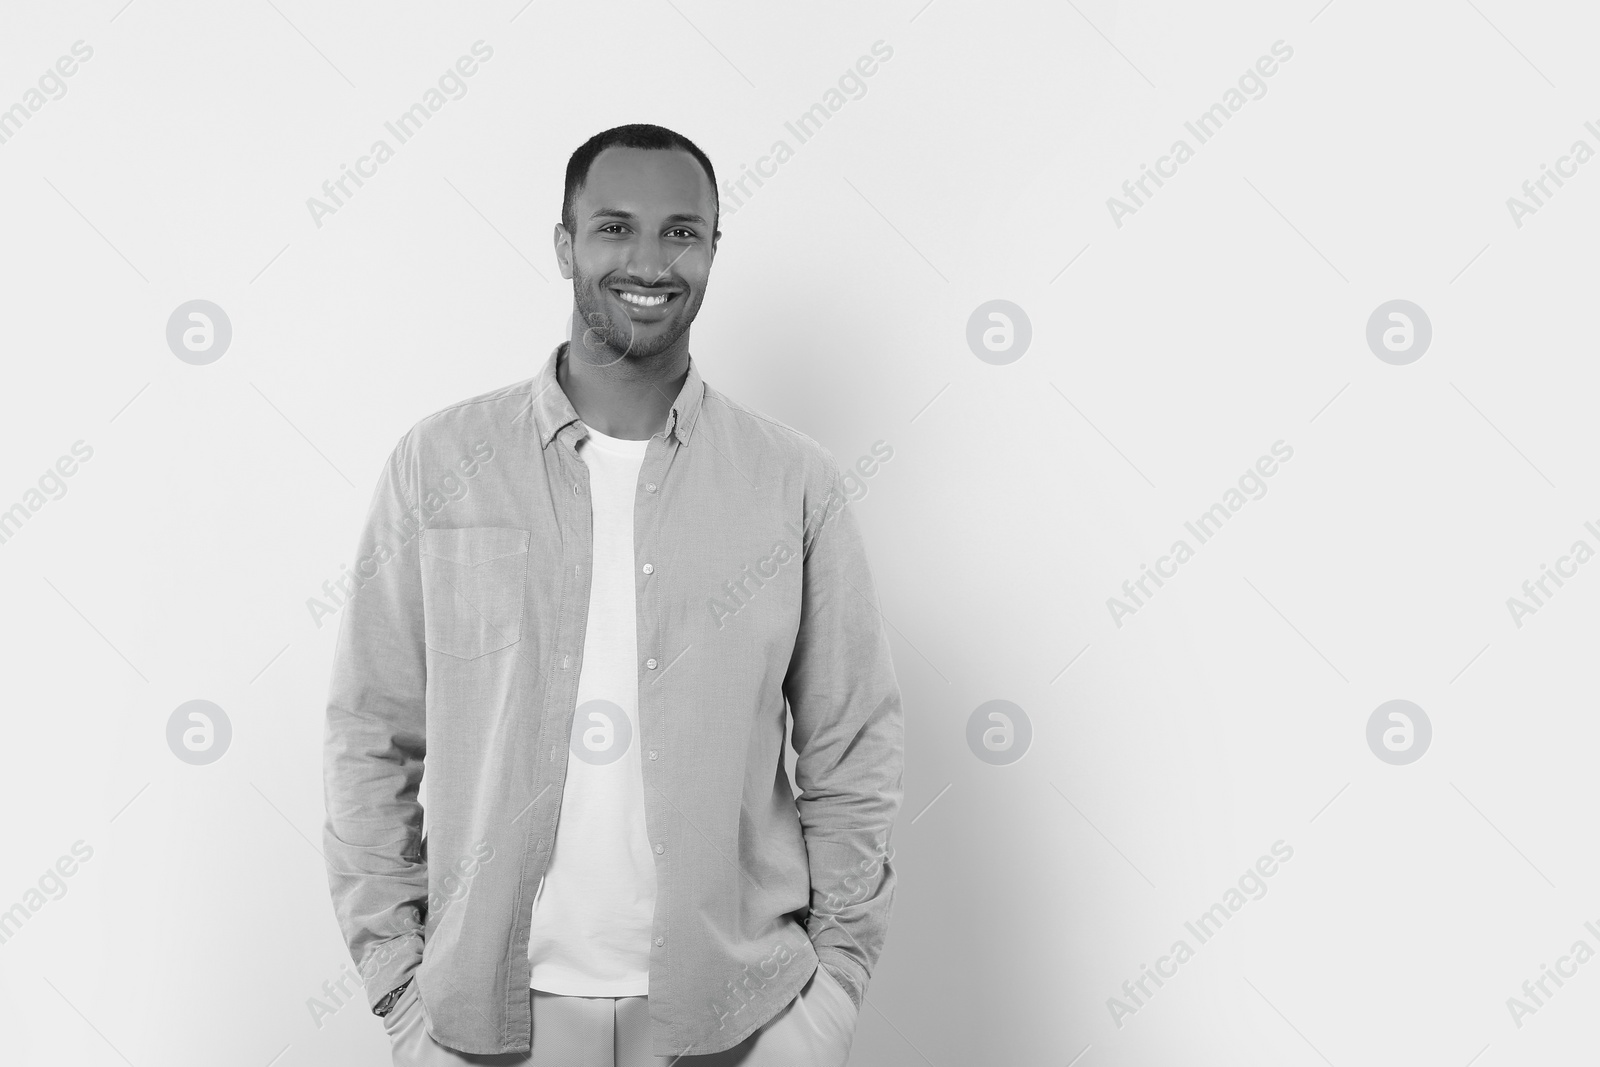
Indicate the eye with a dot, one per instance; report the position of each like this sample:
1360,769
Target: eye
688,234
611,226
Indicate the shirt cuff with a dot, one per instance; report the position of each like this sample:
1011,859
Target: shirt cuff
847,971
390,965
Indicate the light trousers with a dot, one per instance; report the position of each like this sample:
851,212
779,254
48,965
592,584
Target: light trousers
814,1029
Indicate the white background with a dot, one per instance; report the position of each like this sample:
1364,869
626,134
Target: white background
1168,353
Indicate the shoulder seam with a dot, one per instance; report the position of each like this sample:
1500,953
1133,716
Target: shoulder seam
503,393
739,409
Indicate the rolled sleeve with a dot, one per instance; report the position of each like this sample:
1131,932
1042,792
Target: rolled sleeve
374,744
848,739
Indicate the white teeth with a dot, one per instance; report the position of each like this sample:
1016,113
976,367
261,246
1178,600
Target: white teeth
643,301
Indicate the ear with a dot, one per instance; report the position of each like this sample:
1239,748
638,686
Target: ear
563,245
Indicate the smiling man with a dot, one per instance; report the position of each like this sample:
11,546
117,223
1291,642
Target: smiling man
596,655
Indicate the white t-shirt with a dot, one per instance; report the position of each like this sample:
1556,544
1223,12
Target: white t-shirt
593,911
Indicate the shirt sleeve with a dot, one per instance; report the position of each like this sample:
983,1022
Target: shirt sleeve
849,741
374,743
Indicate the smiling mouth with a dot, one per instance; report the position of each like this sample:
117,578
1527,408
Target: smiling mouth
645,300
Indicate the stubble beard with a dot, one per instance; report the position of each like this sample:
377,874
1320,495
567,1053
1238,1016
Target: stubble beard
607,340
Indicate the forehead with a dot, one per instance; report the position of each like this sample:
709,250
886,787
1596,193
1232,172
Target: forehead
646,181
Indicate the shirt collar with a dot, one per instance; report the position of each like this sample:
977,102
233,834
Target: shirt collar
552,411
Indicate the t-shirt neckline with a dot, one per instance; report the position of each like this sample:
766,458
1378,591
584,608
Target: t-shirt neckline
619,445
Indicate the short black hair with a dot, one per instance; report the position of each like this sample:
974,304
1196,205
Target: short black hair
634,135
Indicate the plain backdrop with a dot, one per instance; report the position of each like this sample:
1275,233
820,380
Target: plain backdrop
1152,758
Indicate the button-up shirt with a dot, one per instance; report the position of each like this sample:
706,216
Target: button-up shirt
457,666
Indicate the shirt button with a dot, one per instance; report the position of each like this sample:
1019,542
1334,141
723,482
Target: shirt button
574,488
649,487
652,753
661,941
660,849
649,568
650,663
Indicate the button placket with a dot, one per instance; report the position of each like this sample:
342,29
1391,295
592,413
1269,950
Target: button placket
648,635
648,629
578,533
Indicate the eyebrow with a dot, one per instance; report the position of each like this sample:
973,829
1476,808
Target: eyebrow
628,216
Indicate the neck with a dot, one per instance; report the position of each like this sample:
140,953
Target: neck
627,398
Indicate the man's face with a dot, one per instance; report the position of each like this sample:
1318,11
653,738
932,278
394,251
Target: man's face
641,253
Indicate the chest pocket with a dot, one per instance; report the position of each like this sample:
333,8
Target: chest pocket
473,582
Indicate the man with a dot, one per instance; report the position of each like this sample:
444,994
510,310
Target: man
583,604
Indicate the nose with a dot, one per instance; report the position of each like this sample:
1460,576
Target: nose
648,259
